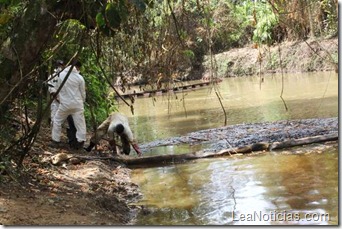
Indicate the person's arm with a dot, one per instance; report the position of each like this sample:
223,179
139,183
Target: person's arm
131,139
136,148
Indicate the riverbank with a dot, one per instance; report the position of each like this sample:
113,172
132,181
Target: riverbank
294,56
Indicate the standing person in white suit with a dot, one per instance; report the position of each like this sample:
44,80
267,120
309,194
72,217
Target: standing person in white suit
71,97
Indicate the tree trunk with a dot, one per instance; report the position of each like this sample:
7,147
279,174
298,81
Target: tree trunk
311,22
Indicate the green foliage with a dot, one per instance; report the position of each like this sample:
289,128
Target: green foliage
272,61
68,38
189,53
266,21
115,13
100,21
235,30
330,21
141,5
123,10
97,92
4,18
112,16
102,26
334,57
9,10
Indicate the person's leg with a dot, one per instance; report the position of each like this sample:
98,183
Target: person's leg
80,125
71,133
126,147
58,120
54,108
112,144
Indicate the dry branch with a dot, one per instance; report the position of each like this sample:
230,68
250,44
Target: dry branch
304,141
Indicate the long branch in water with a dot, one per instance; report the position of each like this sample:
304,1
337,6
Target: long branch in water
282,79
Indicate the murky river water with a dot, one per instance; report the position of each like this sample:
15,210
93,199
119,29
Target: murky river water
311,95
272,189
263,189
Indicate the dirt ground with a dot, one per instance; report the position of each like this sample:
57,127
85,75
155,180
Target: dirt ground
100,192
88,192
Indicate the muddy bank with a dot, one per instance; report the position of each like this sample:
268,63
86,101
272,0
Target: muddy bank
296,56
245,134
91,193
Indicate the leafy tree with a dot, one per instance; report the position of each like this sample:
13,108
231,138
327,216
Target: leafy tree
302,18
265,21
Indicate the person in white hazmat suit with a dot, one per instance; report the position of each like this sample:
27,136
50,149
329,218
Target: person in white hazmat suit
115,124
71,97
52,88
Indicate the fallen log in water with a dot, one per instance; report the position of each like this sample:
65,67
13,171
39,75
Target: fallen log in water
303,141
261,146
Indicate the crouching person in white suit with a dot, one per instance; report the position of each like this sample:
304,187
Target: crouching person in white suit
115,125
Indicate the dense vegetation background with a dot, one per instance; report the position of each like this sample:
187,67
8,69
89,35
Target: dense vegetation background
140,41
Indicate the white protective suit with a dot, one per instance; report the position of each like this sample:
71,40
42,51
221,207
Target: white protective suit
71,97
53,86
108,127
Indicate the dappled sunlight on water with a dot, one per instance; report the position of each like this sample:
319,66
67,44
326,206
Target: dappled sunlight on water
213,191
174,149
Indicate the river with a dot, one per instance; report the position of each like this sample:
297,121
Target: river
270,188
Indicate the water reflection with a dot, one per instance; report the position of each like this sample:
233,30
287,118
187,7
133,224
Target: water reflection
221,191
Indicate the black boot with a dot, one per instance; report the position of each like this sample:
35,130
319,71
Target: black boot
90,147
79,145
71,134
